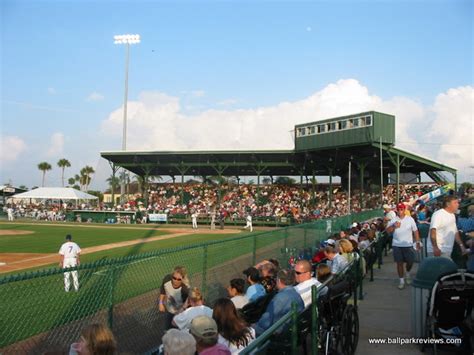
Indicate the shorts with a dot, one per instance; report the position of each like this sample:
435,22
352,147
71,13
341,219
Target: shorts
403,254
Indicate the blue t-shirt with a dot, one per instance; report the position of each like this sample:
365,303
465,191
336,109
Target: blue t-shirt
254,292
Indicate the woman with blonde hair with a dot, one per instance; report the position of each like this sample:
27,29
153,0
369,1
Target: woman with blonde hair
193,307
96,339
346,250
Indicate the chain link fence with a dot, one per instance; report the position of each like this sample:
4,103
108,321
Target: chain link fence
37,315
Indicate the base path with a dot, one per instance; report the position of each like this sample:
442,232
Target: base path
14,232
19,261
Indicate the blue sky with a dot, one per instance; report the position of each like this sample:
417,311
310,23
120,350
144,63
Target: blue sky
212,55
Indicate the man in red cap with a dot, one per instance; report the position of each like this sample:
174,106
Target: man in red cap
405,233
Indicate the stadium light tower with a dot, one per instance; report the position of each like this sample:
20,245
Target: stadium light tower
127,40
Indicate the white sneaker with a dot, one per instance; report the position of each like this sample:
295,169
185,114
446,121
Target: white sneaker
408,280
401,286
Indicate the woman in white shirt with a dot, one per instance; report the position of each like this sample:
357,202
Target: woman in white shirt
234,332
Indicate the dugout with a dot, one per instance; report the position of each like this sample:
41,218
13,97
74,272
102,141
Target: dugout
359,148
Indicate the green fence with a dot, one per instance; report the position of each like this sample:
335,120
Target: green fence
37,315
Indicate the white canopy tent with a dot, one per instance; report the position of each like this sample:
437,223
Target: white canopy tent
55,193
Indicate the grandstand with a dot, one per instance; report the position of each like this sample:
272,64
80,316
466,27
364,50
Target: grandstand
362,143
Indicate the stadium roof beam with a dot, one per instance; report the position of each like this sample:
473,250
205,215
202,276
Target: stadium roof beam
277,163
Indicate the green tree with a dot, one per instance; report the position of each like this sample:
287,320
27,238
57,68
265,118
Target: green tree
113,182
85,177
284,180
99,194
71,181
44,167
63,164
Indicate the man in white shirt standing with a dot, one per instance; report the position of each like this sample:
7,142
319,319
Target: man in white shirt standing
443,230
70,257
405,232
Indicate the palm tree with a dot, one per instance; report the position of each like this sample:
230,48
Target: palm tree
113,181
86,173
63,164
71,181
44,167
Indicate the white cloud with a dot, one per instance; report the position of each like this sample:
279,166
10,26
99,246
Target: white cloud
227,102
52,91
198,93
95,96
453,126
10,148
156,121
56,145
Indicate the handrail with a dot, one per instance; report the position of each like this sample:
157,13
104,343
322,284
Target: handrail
267,334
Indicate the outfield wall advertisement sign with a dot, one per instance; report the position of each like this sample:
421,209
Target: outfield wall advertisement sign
158,217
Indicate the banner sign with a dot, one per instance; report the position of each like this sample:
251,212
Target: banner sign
437,193
157,217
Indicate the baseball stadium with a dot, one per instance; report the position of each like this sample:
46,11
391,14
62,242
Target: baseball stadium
128,248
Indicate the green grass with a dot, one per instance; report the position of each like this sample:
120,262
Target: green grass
156,245
48,239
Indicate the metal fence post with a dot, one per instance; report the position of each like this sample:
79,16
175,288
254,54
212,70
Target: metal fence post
204,270
314,321
359,277
373,252
304,235
294,329
111,298
254,251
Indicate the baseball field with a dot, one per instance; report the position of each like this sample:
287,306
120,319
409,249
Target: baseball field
26,246
33,305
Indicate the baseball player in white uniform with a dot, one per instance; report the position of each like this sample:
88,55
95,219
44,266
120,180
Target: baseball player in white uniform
249,223
69,257
194,219
10,214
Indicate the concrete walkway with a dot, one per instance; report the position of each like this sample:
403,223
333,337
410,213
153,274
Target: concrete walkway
385,312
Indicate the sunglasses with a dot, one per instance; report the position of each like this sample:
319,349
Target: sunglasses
176,279
300,272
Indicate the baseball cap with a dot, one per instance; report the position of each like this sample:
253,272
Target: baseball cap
331,242
204,327
354,225
68,237
386,207
401,206
252,273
